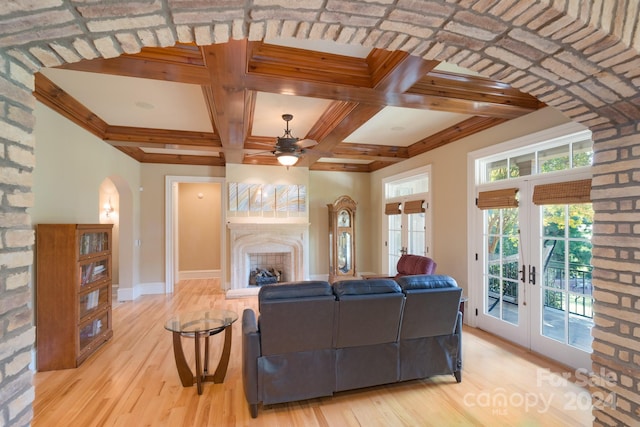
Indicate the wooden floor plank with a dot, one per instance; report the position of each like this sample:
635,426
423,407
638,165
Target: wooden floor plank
133,381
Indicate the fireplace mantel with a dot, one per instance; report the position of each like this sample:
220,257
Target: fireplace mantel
247,238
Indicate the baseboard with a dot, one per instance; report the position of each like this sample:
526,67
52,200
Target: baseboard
199,274
130,294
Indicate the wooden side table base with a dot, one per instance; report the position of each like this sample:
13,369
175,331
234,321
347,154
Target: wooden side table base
187,378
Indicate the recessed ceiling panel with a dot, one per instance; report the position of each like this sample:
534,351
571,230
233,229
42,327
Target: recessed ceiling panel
267,118
135,102
403,126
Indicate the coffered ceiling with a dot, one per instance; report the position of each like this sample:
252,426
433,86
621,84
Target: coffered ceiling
212,105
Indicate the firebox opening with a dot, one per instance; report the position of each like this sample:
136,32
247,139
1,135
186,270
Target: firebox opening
270,267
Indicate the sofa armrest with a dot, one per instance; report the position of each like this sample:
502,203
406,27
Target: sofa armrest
250,354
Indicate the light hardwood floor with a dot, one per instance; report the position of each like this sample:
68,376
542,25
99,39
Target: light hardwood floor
132,381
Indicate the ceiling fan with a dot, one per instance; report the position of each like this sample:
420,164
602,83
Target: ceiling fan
288,148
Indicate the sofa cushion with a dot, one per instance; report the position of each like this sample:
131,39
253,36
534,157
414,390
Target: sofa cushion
365,287
312,288
426,281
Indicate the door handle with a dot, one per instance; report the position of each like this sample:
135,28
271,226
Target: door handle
532,274
522,272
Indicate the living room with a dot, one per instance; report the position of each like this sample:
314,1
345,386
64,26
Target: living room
78,162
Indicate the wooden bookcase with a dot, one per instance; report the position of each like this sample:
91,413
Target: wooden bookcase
73,293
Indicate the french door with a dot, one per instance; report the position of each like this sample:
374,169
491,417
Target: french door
535,265
407,233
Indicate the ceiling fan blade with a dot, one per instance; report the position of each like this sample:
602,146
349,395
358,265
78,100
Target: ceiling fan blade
259,153
306,143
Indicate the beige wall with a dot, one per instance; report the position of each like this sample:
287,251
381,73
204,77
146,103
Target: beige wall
325,188
152,225
449,188
72,166
199,211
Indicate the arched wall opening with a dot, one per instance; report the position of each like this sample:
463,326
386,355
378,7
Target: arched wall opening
580,58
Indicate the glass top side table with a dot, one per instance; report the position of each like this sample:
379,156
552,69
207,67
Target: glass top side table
198,324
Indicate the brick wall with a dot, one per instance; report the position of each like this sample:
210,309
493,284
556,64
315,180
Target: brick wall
17,333
578,56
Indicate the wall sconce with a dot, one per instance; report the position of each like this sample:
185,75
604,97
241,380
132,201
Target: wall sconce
107,208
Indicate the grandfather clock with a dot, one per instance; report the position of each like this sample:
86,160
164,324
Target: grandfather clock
342,238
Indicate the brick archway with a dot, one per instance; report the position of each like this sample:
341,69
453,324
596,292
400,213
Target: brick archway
581,60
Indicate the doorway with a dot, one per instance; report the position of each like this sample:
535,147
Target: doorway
172,230
531,270
408,216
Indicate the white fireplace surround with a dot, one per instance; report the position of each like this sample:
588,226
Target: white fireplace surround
255,238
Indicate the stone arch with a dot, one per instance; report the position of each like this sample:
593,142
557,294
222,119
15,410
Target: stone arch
579,57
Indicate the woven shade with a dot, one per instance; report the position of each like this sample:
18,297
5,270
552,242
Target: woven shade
413,207
563,193
498,199
392,208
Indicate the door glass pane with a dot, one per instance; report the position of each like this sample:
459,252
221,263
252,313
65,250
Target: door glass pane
395,241
553,316
416,236
567,279
503,263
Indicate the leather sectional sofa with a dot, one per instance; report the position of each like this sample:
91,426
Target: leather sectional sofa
313,339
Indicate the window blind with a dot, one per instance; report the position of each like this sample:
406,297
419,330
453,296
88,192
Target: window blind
498,199
414,206
392,208
563,193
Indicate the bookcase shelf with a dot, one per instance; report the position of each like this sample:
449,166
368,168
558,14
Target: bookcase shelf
73,293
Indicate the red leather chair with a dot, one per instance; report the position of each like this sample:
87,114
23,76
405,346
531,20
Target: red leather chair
410,265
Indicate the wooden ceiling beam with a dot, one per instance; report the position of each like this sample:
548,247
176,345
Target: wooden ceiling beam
454,133
181,159
396,71
341,120
372,96
480,89
130,66
228,101
293,64
369,151
161,136
340,167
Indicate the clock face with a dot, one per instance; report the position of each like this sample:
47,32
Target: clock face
344,220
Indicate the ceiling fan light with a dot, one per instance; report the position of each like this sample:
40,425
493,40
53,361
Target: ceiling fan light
287,159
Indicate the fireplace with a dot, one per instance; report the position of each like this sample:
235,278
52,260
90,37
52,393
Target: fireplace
260,244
